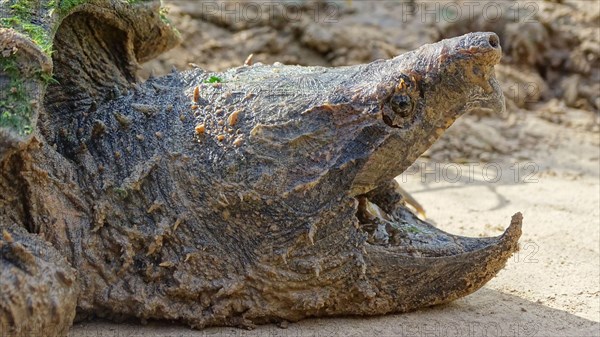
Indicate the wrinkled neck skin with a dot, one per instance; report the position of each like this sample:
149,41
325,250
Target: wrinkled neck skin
253,218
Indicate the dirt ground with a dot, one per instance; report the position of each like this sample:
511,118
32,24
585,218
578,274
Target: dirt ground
542,157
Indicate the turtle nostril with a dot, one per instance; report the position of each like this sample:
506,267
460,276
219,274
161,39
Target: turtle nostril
493,40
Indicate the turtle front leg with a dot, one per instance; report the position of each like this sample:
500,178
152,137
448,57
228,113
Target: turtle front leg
39,288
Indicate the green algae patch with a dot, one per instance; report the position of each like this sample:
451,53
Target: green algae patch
214,79
28,28
66,5
22,18
15,107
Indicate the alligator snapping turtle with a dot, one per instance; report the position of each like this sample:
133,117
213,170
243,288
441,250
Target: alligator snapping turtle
260,194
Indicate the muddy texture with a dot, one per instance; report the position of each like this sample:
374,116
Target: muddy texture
39,291
233,198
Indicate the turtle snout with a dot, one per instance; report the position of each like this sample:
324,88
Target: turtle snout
485,47
489,40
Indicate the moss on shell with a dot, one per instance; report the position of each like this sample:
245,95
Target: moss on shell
38,21
22,17
15,107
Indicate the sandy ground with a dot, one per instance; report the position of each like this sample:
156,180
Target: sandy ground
542,160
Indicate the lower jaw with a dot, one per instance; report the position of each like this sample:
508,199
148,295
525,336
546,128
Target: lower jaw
412,264
402,231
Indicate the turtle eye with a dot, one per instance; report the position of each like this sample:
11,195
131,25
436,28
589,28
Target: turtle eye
398,109
401,104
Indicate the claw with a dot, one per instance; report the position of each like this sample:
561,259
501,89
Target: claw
412,202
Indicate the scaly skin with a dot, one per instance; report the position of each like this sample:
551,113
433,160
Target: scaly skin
240,202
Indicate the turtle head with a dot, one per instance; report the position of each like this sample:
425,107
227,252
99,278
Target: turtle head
439,82
345,131
421,93
333,143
